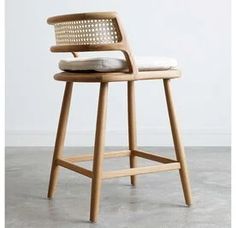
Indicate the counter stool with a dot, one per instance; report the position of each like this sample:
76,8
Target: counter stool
103,32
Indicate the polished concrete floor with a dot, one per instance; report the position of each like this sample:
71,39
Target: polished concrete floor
156,202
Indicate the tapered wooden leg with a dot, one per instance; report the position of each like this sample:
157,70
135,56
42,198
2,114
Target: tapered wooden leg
60,138
132,127
179,149
98,152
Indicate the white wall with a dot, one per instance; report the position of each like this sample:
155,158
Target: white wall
196,32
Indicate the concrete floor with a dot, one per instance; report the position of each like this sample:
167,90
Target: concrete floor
157,201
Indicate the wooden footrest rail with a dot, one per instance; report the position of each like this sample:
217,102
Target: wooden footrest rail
141,170
73,167
89,157
167,164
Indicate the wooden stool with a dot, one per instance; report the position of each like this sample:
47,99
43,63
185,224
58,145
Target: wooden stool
78,33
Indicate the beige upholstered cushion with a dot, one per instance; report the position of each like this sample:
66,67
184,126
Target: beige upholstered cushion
105,64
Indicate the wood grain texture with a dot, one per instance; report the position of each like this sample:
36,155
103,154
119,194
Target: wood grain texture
179,148
89,157
81,16
141,170
152,156
75,168
132,131
117,76
60,138
98,152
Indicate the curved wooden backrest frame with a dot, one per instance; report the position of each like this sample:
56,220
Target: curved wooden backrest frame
121,43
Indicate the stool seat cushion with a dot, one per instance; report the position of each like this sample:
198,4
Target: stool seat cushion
105,64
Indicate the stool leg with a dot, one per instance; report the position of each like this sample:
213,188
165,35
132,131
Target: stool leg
179,149
60,138
132,127
98,152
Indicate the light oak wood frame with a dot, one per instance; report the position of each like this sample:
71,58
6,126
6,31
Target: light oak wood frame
97,174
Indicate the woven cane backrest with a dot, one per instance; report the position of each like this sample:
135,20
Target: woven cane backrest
90,32
86,32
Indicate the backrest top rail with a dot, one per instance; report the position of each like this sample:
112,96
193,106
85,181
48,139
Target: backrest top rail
81,16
